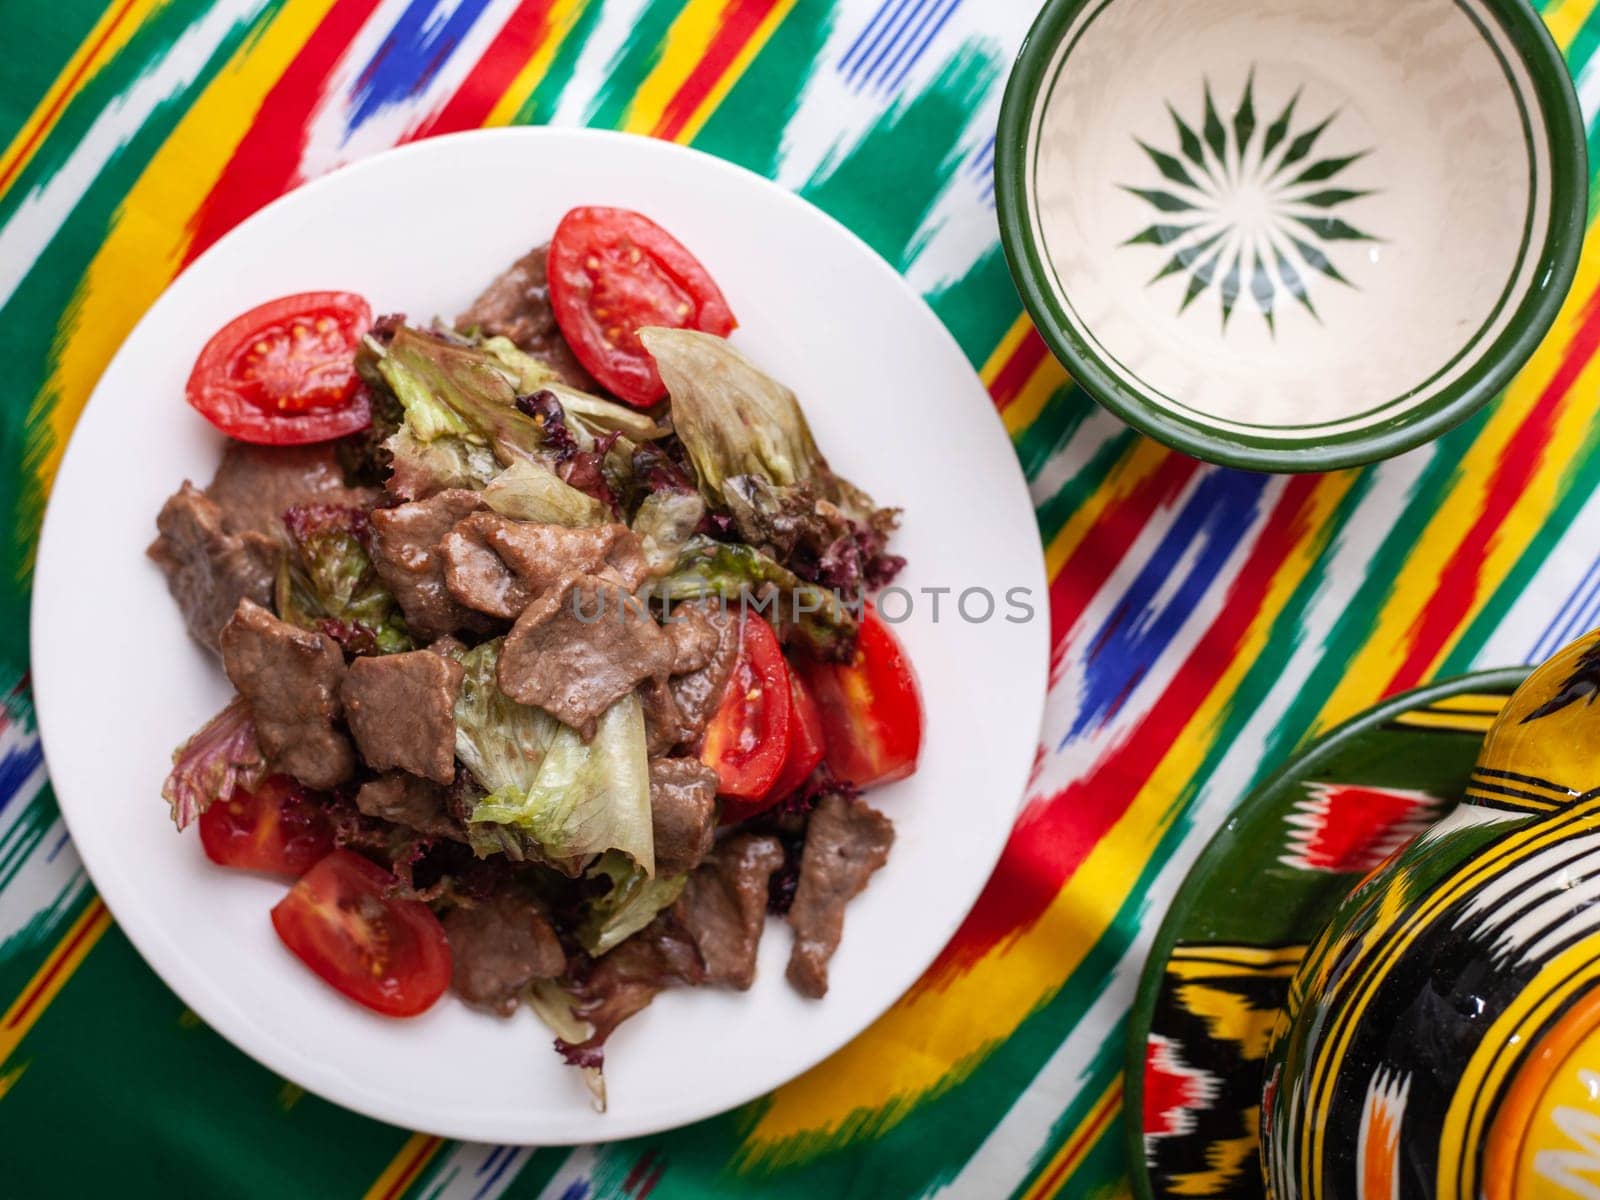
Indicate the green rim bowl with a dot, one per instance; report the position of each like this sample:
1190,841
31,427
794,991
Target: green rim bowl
1291,235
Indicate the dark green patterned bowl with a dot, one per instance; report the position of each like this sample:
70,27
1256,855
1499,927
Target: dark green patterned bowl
1293,235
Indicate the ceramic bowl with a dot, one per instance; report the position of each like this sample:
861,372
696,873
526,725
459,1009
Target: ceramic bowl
1291,235
1441,1038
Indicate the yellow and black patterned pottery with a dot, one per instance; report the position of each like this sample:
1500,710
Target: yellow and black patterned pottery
1442,1036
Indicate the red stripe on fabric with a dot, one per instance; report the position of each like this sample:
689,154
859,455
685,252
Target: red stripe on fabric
1055,834
521,37
1451,602
266,162
1019,367
1074,1152
641,1168
68,91
737,25
91,918
413,1168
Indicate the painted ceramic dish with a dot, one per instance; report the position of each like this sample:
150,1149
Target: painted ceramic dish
1261,892
1285,260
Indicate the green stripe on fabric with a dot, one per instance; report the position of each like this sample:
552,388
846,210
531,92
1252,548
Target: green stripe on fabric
168,1106
50,44
637,58
885,186
748,126
26,341
541,106
981,306
26,951
1097,1075
1063,413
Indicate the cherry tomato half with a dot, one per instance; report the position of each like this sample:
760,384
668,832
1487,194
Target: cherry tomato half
612,272
871,708
283,374
805,751
390,955
748,738
274,828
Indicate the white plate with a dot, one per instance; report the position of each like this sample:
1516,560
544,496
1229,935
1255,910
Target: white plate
895,406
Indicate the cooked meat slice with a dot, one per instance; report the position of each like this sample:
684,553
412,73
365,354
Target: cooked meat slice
700,691
517,306
663,724
610,989
401,710
496,565
499,947
208,569
724,906
578,648
683,811
447,646
846,841
254,484
290,679
409,800
405,551
694,638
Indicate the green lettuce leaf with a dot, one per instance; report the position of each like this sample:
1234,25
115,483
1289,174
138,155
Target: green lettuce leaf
330,578
798,610
501,742
531,491
665,522
588,797
632,902
454,390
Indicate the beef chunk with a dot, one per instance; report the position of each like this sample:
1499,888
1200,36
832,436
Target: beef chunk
517,306
208,569
447,646
699,692
290,678
846,841
580,647
497,565
401,709
405,551
695,638
683,812
724,906
663,724
254,484
499,947
416,803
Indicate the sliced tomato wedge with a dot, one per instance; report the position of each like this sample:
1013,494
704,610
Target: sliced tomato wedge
871,708
390,955
283,374
806,746
275,828
748,738
614,271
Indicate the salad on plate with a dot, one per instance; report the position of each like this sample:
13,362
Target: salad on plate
555,666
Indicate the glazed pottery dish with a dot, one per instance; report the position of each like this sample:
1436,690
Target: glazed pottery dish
1297,234
420,231
1218,974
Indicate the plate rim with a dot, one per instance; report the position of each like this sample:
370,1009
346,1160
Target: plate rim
1037,666
1561,123
1216,853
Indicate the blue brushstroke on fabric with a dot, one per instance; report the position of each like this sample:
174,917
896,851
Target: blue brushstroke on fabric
890,30
62,843
494,1156
866,31
1218,514
506,1159
576,1190
899,76
18,764
410,56
1574,614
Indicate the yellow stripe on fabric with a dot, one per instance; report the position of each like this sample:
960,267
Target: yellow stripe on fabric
685,44
741,62
1244,956
1142,460
1055,1174
1362,684
563,13
1472,703
151,230
1565,18
1422,718
404,1168
1003,352
932,1038
67,956
120,21
1047,378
